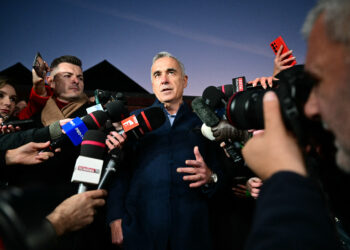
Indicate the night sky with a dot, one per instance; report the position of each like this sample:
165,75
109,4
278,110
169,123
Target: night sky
216,40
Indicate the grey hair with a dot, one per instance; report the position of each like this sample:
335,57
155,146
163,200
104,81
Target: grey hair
167,54
336,19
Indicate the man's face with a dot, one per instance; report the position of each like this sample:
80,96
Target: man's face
67,82
167,81
329,63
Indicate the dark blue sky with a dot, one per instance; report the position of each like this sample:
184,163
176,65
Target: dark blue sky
216,40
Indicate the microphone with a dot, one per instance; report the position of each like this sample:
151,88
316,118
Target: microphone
117,157
75,129
239,84
88,166
147,121
206,131
204,113
116,111
227,89
214,98
210,119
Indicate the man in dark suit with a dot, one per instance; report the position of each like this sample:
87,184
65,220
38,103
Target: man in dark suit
151,205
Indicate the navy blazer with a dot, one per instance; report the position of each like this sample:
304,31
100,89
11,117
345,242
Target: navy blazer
157,206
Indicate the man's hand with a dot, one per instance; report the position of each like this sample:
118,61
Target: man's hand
275,149
199,173
28,154
253,185
117,232
281,61
240,191
264,81
4,129
77,211
115,140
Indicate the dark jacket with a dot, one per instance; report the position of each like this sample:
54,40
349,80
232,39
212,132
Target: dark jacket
157,206
291,214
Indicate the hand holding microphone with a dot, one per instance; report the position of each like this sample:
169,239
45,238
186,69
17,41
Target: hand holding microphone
225,131
88,167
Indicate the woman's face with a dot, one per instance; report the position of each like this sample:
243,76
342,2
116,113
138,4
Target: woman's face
7,100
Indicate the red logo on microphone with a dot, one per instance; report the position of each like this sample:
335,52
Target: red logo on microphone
87,169
129,123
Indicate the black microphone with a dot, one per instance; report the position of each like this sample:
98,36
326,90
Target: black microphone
116,111
88,167
209,118
227,89
94,120
147,121
214,98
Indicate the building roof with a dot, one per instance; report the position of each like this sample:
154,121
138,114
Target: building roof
107,77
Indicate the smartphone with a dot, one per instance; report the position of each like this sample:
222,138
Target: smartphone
276,44
39,65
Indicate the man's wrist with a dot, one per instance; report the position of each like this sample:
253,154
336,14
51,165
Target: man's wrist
57,222
40,90
213,179
10,157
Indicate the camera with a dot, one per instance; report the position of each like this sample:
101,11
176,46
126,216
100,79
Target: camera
244,109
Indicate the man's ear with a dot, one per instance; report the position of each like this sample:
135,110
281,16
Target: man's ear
50,81
185,81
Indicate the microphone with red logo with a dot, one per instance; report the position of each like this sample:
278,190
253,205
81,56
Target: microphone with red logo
88,167
147,121
144,122
239,84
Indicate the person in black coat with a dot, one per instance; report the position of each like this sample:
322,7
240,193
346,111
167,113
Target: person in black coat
291,211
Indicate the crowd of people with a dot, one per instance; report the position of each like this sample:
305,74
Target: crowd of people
174,188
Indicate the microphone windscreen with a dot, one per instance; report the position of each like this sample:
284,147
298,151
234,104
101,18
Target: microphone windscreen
95,120
93,144
204,113
212,97
151,119
227,90
116,111
206,131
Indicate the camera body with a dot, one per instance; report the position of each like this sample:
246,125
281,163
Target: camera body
244,109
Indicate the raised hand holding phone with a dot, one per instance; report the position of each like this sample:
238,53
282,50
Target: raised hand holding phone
284,58
39,71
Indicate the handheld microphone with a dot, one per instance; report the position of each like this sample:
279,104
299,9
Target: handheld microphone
88,166
214,98
116,111
227,89
144,122
209,118
239,84
147,121
117,157
75,129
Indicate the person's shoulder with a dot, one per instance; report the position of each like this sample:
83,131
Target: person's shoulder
138,111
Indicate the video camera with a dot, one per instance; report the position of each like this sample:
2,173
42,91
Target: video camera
244,109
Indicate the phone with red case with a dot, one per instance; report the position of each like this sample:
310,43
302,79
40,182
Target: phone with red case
276,44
